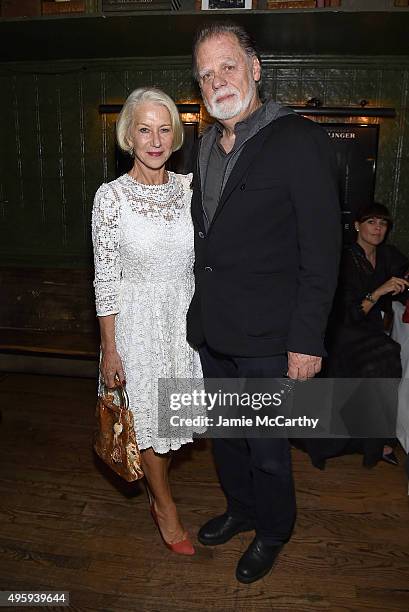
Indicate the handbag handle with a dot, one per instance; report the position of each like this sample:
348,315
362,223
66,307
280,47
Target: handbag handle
123,395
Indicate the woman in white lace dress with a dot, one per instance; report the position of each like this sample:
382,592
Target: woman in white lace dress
143,252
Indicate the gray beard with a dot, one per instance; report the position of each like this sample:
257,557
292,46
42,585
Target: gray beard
218,112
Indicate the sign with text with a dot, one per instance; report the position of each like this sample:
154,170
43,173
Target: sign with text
356,149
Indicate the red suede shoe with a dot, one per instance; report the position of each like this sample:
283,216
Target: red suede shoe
184,547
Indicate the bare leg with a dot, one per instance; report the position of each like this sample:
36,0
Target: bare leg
156,468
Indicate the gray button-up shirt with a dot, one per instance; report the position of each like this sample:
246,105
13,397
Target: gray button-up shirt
220,164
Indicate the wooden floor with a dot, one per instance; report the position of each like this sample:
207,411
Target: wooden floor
66,525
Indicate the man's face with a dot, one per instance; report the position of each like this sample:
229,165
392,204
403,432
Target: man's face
227,77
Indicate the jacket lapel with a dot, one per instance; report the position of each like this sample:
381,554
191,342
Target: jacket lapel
196,206
202,161
205,149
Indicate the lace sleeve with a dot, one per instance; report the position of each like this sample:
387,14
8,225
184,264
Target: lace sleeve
105,240
186,180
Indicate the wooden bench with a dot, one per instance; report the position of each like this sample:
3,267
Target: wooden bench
48,312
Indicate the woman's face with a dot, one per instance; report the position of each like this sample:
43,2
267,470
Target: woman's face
372,231
151,135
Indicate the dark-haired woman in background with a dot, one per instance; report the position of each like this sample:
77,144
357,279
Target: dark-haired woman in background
371,274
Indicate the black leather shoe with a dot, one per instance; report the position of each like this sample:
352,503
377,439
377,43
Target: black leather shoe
390,458
222,528
257,561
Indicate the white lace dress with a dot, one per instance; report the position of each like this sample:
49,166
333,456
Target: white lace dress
143,252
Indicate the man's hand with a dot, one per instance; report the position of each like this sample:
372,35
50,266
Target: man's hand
303,367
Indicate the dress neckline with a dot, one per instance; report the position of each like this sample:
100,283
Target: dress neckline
159,187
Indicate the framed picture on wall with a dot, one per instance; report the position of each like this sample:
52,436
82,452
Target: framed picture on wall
214,5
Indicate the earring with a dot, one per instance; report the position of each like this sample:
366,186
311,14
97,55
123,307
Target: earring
131,152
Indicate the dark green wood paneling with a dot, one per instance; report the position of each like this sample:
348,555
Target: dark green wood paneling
56,149
144,34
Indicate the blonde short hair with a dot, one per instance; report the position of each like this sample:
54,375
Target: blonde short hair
127,115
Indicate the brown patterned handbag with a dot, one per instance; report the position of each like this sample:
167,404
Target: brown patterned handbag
115,440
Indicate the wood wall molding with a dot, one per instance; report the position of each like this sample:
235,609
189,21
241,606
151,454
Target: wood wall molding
66,66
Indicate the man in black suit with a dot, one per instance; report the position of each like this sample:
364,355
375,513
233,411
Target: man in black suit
267,238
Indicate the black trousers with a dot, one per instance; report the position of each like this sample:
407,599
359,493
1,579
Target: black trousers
255,473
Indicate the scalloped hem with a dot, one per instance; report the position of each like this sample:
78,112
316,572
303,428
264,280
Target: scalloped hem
163,449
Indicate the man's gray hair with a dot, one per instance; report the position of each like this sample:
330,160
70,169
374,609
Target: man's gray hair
211,30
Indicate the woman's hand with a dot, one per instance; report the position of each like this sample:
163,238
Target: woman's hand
111,363
394,286
110,367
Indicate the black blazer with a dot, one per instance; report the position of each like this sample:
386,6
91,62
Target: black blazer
266,268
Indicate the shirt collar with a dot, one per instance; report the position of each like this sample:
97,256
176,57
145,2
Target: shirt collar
246,124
